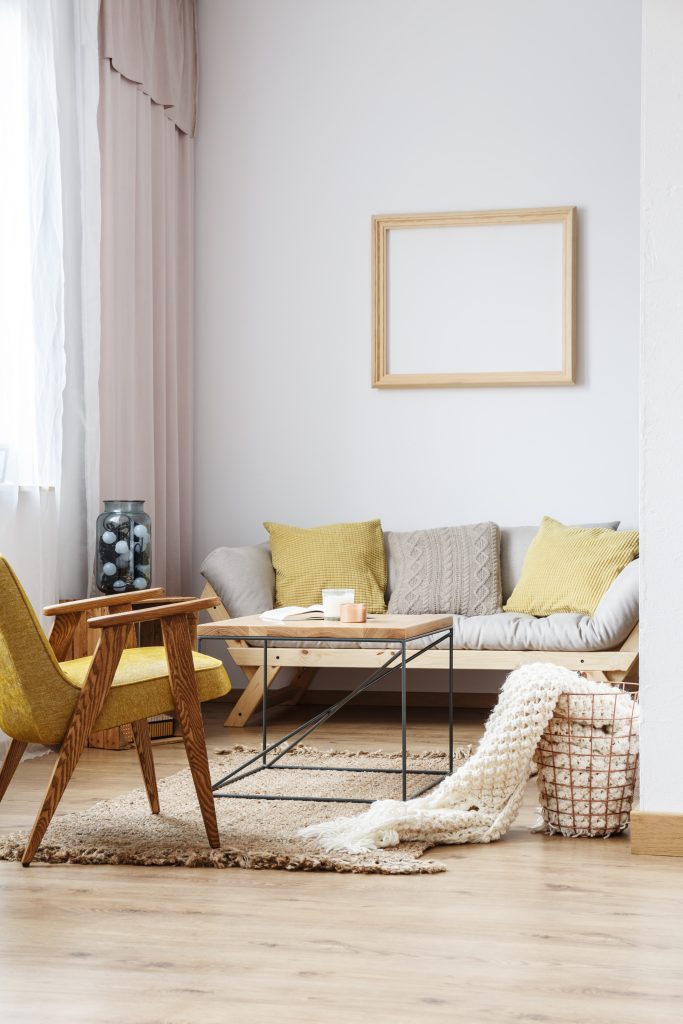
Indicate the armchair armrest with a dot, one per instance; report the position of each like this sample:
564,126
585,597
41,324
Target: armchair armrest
155,612
105,601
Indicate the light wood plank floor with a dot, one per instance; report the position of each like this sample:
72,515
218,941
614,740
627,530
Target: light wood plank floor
529,929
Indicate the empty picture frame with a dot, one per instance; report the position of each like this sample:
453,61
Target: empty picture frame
479,299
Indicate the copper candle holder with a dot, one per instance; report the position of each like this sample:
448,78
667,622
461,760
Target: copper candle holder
353,613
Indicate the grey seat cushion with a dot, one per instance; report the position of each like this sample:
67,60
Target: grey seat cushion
514,544
615,617
613,620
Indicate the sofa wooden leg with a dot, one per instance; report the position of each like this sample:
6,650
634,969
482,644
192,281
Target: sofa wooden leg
251,697
302,680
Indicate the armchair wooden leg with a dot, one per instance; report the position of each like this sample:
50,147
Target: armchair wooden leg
183,681
10,764
143,745
88,707
251,698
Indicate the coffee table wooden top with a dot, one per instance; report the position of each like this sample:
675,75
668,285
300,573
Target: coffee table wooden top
381,627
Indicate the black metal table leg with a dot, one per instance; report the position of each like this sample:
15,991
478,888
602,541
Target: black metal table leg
450,701
264,705
404,724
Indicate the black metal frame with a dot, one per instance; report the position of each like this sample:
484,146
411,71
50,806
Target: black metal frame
306,728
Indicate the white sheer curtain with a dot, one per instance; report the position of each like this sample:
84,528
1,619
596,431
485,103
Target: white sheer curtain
49,291
77,70
31,265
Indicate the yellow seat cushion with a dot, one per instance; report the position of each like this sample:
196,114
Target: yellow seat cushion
569,568
342,555
141,687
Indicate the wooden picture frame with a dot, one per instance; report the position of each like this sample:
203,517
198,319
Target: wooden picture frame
563,287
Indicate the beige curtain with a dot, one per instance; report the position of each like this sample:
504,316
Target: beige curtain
148,81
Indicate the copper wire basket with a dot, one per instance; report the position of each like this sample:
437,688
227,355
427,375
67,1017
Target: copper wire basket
587,762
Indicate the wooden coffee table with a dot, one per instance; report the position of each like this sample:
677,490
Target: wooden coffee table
388,630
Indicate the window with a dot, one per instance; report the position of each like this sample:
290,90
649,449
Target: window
31,269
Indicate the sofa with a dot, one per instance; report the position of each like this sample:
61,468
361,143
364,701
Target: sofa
603,645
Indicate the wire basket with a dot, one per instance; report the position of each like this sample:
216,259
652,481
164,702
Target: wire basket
587,762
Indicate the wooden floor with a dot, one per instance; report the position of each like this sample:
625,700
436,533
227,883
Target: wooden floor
529,929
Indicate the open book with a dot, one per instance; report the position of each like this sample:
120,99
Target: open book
314,611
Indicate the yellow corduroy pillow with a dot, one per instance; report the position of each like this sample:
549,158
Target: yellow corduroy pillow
342,555
569,568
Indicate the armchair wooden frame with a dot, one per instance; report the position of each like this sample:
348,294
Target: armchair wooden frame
117,633
614,666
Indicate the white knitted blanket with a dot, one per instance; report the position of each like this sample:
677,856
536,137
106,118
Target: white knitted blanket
479,802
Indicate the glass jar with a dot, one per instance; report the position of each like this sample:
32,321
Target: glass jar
123,559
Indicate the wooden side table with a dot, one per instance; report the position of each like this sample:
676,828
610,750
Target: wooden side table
148,635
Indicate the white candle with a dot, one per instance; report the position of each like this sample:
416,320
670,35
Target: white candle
334,599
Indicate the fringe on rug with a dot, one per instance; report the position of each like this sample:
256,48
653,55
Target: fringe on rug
12,850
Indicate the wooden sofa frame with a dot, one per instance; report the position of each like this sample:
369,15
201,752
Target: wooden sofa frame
609,666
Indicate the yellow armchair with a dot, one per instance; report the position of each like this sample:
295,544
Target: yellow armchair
45,699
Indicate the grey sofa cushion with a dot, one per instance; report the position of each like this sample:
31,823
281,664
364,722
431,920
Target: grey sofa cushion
243,578
614,618
607,628
455,569
514,544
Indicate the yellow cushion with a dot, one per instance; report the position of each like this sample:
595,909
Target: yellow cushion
343,555
569,568
141,687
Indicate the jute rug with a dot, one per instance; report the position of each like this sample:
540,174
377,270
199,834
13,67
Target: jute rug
254,833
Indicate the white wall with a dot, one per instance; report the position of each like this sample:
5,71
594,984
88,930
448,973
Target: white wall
661,500
315,114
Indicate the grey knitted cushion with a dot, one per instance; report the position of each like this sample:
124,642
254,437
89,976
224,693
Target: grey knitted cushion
455,569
